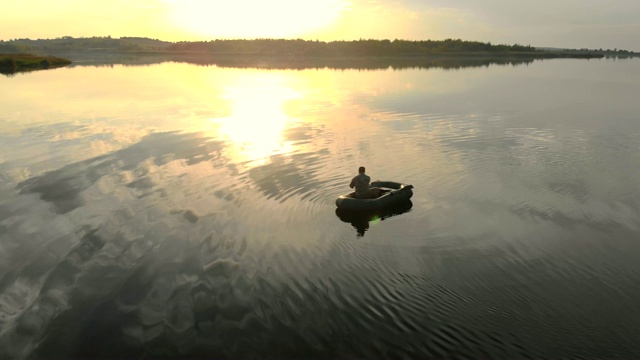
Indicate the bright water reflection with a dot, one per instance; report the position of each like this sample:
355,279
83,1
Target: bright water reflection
188,210
258,120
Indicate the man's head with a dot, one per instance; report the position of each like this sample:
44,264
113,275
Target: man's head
361,169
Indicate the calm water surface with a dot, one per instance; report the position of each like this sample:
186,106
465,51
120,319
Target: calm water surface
183,210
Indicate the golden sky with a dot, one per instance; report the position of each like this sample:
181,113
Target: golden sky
559,23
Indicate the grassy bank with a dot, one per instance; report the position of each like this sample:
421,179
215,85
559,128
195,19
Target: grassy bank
12,63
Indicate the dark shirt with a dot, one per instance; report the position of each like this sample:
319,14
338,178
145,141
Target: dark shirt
361,183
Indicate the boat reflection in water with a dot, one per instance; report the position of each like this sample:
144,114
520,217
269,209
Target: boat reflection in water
360,220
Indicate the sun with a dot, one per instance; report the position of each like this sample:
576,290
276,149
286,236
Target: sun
250,19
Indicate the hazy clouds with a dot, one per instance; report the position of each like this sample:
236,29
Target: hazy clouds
559,23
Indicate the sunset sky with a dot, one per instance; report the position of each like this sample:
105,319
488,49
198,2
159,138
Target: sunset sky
556,23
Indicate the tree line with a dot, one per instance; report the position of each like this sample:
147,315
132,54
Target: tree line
284,47
344,48
260,46
68,43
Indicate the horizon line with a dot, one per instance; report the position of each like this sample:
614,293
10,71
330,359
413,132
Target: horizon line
312,40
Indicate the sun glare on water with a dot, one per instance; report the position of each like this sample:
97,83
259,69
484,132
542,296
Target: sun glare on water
254,18
257,120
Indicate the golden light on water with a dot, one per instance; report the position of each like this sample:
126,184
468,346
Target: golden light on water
258,119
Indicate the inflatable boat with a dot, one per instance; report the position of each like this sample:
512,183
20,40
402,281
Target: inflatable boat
390,193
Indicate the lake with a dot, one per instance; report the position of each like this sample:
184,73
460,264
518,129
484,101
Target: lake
188,210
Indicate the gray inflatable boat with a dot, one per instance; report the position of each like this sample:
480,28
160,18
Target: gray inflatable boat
391,193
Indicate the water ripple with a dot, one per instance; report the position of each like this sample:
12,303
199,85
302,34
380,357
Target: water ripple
183,244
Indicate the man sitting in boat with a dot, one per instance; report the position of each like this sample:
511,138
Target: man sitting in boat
361,183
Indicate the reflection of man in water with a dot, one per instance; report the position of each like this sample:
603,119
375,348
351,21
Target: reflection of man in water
361,183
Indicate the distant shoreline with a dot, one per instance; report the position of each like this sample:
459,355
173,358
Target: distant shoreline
296,62
440,55
281,53
15,63
109,57
300,49
205,57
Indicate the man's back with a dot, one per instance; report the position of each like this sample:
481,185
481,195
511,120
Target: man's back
361,183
